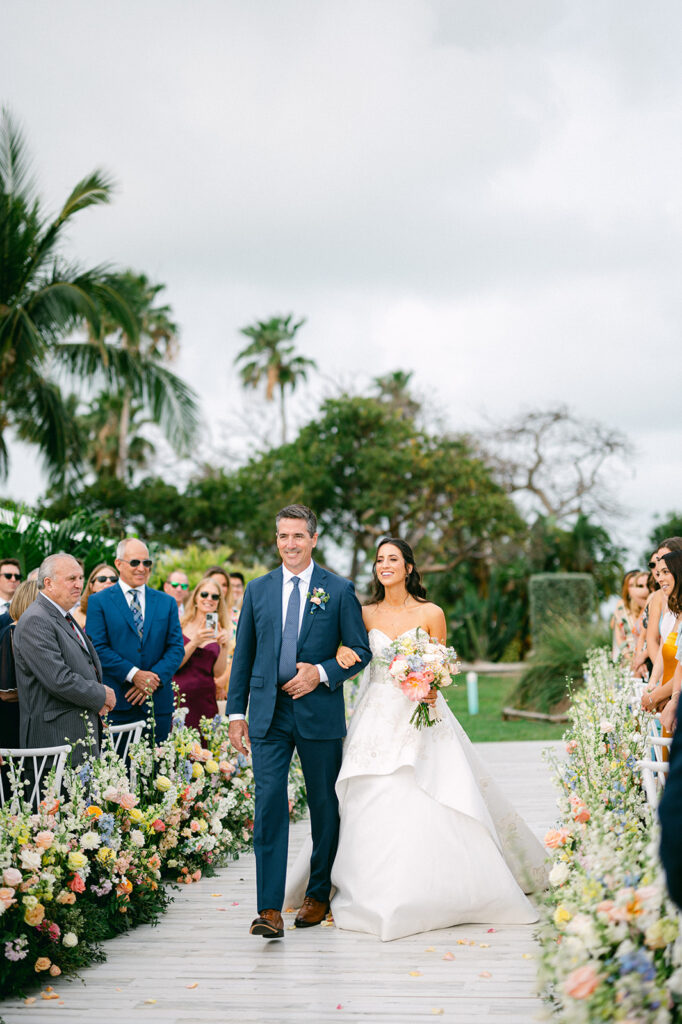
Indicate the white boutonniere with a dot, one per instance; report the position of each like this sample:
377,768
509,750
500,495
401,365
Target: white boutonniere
318,598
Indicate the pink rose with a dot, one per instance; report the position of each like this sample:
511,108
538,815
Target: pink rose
11,876
581,983
571,746
415,686
7,897
44,840
77,884
158,825
127,801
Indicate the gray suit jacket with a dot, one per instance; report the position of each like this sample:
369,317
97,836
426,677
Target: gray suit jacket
57,680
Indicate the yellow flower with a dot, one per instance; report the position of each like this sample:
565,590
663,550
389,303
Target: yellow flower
105,855
197,770
162,783
76,860
211,766
33,916
136,815
591,891
561,915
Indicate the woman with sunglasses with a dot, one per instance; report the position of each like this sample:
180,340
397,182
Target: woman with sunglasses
101,577
205,651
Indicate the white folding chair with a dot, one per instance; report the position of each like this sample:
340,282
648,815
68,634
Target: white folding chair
653,779
30,767
123,735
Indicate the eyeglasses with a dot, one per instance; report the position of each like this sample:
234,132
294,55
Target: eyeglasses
134,562
11,575
213,597
105,579
183,586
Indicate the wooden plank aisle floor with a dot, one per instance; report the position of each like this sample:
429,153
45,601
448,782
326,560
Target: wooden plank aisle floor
319,974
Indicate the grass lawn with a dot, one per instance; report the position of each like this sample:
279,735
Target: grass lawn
494,693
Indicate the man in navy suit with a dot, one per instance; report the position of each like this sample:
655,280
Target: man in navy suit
284,667
136,632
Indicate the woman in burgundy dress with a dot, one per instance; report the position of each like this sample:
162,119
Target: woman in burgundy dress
205,652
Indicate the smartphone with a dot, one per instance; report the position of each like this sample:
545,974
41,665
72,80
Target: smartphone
212,622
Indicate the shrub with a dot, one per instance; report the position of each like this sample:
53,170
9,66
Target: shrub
560,654
570,595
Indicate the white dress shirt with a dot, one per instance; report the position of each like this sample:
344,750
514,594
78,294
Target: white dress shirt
303,589
141,595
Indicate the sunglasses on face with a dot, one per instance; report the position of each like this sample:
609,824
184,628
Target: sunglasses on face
134,562
183,586
105,579
213,597
11,575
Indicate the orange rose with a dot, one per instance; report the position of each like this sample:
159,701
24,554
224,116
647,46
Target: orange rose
556,837
42,963
581,983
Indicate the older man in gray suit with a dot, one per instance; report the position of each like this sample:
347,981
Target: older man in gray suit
59,677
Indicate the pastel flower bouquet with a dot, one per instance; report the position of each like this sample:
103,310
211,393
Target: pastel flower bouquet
97,858
610,935
416,664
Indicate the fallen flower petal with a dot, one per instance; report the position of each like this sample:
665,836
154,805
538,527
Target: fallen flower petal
491,930
193,984
415,974
29,1000
430,949
449,956
485,974
150,1001
484,945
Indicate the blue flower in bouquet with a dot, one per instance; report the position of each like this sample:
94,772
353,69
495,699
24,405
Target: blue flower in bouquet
187,768
637,962
105,823
85,771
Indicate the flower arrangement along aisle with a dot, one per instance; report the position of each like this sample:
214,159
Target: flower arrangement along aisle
92,861
611,949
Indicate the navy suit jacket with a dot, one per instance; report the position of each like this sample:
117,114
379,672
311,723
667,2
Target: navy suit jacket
253,679
670,814
111,628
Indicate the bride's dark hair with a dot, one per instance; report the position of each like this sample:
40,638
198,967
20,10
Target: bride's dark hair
413,583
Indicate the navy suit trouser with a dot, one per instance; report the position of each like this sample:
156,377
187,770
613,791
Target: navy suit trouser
321,762
162,721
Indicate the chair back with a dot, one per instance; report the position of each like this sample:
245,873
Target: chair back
653,780
28,768
123,735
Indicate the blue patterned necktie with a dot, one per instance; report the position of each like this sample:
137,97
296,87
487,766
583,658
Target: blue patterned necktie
137,612
287,655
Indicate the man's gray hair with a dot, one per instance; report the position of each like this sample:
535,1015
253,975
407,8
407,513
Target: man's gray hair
48,567
298,512
123,544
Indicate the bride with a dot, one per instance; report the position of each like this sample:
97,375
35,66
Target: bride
426,840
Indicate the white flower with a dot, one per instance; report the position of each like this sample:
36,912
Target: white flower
606,726
91,840
559,873
70,940
136,837
30,859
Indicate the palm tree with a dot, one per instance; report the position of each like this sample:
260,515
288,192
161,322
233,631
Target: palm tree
270,356
42,298
393,389
132,360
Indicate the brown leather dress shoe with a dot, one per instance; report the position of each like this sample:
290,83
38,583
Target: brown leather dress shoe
269,924
312,912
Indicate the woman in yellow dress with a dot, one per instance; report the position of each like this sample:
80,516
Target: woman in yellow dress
660,686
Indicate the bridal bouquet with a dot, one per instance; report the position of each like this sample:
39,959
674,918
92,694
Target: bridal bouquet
415,663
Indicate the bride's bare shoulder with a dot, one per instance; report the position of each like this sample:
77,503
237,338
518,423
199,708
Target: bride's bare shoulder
368,613
435,619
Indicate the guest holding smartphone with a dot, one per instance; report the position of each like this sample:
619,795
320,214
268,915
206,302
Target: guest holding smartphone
206,638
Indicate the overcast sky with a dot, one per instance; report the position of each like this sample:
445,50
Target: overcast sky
486,192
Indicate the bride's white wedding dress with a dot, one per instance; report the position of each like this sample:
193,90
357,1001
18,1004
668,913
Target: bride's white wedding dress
427,840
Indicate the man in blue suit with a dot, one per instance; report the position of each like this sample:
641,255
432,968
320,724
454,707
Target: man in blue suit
137,635
284,667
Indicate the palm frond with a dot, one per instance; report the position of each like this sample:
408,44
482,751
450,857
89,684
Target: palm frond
15,172
41,417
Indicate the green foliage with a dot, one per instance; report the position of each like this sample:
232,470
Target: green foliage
31,540
560,654
671,526
559,595
585,547
486,622
195,560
